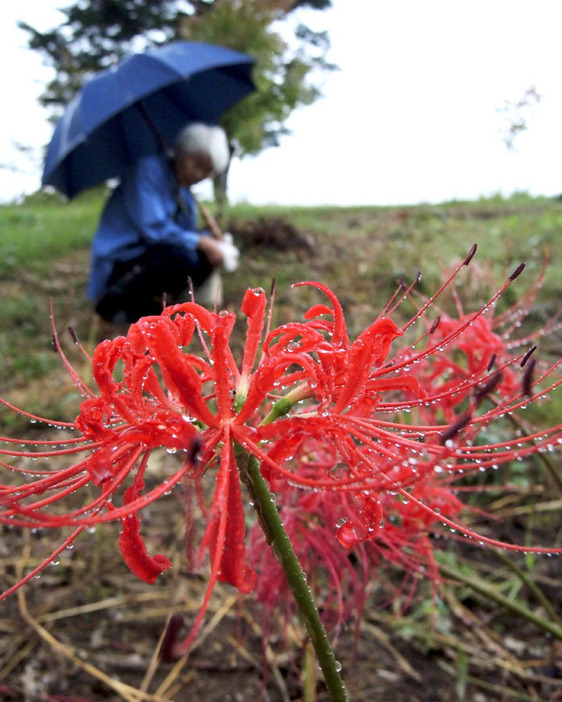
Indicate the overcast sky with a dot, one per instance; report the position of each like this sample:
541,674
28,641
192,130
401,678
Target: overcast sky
411,116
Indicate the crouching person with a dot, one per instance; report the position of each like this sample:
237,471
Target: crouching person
147,245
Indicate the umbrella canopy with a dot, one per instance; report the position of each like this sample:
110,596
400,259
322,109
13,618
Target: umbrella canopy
114,118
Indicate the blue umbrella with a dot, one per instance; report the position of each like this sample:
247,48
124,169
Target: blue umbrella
130,110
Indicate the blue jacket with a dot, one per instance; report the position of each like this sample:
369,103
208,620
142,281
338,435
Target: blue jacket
141,211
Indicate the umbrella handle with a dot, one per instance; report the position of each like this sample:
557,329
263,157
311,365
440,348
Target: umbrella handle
210,221
152,126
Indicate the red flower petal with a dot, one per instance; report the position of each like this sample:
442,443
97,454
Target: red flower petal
134,552
227,500
132,545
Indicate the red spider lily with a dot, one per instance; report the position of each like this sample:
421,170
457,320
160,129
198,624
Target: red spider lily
347,434
488,343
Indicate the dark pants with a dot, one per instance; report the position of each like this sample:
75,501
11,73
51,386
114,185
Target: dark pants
136,288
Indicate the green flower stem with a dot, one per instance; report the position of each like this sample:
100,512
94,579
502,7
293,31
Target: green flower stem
279,409
278,539
284,404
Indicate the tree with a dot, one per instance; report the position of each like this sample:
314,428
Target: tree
97,34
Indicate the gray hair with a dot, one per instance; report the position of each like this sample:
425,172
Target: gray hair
199,138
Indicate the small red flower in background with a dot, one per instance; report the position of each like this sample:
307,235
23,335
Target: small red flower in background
362,446
487,342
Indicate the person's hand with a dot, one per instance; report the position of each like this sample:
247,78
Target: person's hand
230,254
211,248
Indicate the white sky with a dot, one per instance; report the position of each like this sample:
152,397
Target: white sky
410,117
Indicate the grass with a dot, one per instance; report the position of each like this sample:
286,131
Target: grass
360,252
44,228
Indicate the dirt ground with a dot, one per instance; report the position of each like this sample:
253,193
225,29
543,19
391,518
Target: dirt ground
88,630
